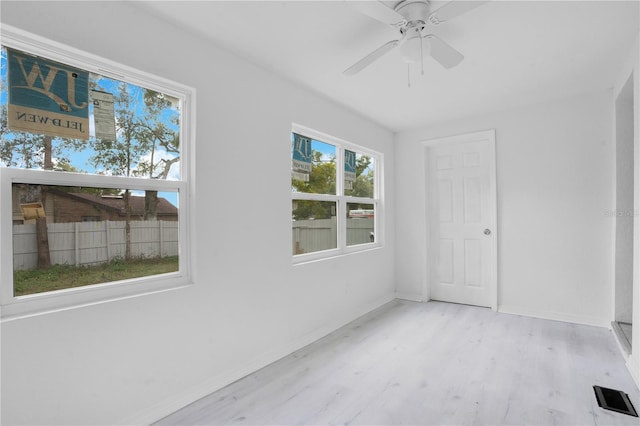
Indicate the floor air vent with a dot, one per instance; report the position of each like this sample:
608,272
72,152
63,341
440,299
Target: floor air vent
614,400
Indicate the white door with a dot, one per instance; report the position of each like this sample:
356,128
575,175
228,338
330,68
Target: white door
461,203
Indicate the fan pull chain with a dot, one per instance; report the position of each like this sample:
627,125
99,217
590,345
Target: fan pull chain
408,74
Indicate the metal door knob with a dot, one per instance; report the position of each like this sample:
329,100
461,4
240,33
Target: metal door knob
487,231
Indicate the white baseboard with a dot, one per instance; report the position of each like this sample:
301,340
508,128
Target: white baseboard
175,403
623,345
632,366
410,296
555,316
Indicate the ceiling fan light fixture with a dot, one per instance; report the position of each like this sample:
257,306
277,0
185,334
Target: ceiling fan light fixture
411,48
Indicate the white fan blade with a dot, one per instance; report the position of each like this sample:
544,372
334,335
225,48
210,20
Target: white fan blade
442,52
377,10
452,9
371,57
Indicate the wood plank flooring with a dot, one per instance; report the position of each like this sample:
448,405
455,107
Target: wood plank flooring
433,363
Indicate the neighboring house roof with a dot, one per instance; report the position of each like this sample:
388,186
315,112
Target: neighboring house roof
116,203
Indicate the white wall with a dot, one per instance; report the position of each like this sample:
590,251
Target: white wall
555,167
135,360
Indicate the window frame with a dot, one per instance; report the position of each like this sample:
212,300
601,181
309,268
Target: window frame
342,200
11,306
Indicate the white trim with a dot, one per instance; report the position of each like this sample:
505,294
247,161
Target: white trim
461,138
618,336
18,307
555,316
634,361
633,370
317,197
614,201
490,137
413,297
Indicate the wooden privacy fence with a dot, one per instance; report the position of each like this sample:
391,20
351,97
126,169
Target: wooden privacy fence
320,234
89,243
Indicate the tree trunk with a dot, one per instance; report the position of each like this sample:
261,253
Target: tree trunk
35,194
127,225
150,205
42,233
44,258
48,163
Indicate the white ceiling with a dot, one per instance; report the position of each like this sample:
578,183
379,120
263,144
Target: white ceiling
516,52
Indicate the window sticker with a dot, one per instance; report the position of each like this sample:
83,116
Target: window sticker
47,97
349,169
301,159
104,117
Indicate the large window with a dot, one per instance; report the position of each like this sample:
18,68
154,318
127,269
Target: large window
94,166
335,188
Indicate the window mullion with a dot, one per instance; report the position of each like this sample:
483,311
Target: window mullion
340,171
311,196
361,200
342,223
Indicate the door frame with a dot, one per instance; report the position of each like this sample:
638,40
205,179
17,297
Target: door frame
486,136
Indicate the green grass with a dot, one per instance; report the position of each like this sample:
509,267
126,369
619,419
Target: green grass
59,277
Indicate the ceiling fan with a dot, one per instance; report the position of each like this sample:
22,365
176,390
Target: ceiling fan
410,18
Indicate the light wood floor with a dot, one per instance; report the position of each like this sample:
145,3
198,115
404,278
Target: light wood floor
431,363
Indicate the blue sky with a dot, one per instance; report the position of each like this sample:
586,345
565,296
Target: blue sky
328,151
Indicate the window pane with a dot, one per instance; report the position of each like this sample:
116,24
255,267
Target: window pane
66,237
314,226
313,166
360,223
359,175
129,130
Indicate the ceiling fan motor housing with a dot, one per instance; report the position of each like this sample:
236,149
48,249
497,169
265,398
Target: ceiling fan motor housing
415,12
